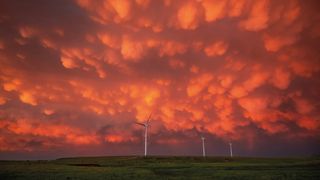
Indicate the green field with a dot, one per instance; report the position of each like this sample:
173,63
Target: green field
163,168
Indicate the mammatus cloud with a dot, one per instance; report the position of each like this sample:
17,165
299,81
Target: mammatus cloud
80,73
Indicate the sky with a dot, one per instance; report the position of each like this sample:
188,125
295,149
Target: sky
75,76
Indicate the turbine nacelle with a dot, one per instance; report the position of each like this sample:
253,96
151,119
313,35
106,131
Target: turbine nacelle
145,124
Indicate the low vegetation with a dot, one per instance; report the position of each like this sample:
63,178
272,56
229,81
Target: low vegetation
163,168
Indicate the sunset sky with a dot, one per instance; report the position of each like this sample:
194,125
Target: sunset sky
76,75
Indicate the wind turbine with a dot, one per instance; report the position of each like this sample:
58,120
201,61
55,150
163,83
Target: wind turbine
199,132
203,147
230,145
145,125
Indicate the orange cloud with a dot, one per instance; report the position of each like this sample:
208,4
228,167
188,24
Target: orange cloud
171,48
143,3
131,50
236,7
11,86
214,9
116,138
273,43
71,57
216,89
71,135
216,49
197,84
28,98
68,62
188,15
2,100
281,78
175,63
238,91
27,31
273,128
84,79
256,80
226,80
303,106
291,13
309,123
258,16
122,8
109,40
48,111
253,105
194,69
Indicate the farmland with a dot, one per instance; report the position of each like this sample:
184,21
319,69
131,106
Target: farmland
157,167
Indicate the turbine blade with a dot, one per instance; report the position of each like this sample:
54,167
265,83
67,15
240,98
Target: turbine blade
149,118
198,130
141,124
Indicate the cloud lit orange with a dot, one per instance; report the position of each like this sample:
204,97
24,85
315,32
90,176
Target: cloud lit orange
79,73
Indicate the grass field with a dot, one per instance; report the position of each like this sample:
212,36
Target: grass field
163,168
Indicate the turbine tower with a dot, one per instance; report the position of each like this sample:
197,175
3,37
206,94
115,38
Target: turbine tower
203,147
145,125
230,145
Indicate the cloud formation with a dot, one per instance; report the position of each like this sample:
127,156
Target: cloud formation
80,73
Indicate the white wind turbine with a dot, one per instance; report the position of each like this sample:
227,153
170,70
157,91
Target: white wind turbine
145,125
230,145
202,140
203,147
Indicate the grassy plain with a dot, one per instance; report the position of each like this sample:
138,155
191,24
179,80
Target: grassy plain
153,168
